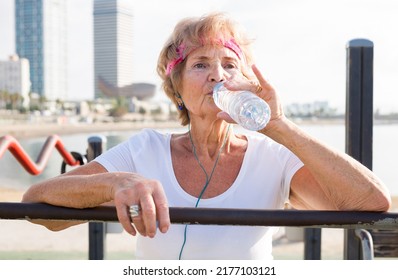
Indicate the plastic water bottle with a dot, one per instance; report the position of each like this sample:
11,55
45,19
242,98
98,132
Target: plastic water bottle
244,107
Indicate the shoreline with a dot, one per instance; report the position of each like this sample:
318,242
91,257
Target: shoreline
24,130
32,130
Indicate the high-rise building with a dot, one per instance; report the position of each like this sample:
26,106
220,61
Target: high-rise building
113,43
15,78
41,37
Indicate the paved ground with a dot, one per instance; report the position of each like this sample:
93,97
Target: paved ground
23,240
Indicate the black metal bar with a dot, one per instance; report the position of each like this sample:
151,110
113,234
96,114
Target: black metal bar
353,102
96,230
367,106
96,241
312,243
212,216
359,118
96,146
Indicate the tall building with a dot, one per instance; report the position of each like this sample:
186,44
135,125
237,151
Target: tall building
113,43
41,37
15,77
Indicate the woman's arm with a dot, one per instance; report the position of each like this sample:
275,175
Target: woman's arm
329,179
84,187
91,185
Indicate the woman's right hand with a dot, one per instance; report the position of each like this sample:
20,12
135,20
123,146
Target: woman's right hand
133,189
91,185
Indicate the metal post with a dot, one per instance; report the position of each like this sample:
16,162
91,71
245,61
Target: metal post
96,230
366,242
359,118
312,243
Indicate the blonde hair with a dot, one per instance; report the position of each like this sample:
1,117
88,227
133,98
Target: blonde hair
191,33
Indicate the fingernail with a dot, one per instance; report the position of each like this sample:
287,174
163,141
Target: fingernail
164,229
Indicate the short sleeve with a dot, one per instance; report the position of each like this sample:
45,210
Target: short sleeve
121,158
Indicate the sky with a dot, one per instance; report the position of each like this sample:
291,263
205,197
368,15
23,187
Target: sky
300,45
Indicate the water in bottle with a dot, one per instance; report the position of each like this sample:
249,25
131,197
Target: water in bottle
244,107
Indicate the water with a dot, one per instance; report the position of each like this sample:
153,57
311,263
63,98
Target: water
385,152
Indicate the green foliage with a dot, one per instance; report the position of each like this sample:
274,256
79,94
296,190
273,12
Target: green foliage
120,108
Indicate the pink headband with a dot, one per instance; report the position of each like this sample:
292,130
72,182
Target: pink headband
181,54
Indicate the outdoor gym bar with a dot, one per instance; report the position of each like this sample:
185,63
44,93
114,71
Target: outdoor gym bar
212,216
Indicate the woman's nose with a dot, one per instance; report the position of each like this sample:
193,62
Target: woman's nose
217,74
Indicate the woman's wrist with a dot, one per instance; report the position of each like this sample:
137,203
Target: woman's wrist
111,184
279,130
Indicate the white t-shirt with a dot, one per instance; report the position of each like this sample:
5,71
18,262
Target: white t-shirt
262,183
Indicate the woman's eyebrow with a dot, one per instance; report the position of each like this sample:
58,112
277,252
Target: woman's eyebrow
204,57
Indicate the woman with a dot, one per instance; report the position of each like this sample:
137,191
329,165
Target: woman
211,165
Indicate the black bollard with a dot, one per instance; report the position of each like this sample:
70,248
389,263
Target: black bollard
359,118
96,230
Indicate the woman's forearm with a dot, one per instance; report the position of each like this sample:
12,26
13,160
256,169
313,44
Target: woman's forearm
75,191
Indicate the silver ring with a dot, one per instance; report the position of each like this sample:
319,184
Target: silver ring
134,210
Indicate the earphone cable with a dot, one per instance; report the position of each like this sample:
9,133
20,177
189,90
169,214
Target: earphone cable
208,178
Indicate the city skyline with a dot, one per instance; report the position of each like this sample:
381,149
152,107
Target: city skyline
299,45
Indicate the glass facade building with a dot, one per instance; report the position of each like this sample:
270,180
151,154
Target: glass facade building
113,43
41,37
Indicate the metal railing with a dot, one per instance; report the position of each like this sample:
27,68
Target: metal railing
213,216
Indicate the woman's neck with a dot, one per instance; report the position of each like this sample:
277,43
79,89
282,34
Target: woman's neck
208,139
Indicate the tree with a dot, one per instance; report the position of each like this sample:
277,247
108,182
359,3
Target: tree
120,108
4,99
15,101
42,102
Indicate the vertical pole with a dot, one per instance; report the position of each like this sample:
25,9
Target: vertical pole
312,243
359,118
96,230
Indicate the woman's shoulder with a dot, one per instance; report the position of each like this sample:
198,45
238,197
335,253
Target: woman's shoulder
260,143
150,134
260,140
147,138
